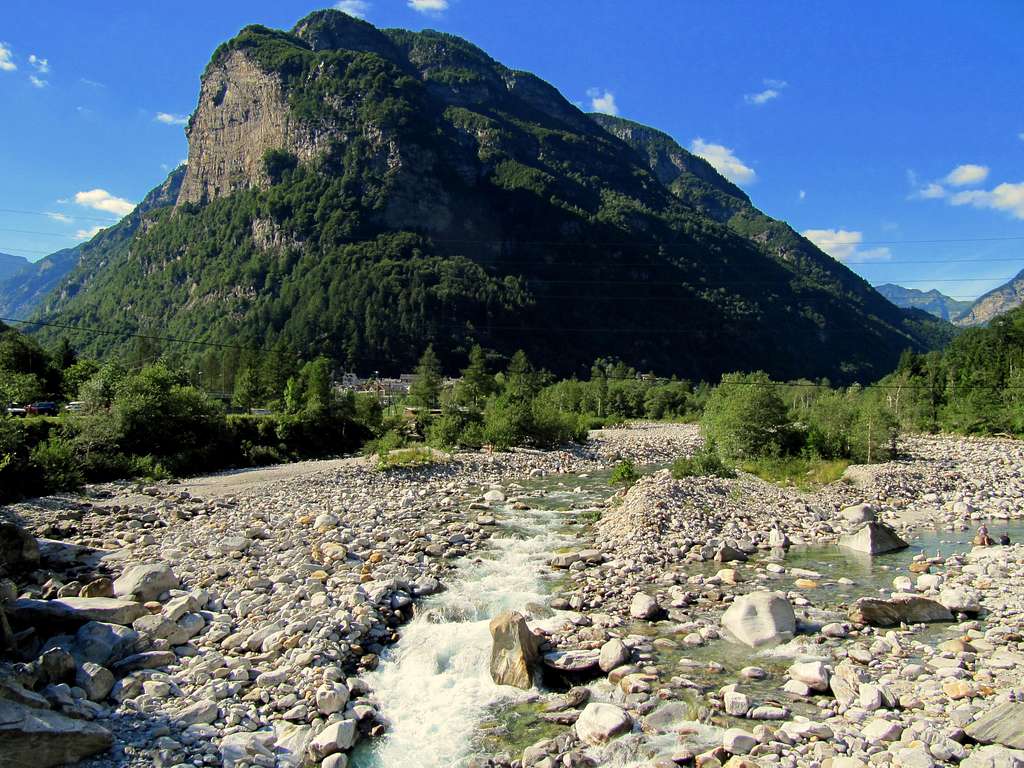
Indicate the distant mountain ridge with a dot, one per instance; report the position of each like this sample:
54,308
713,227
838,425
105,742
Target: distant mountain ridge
933,302
24,292
964,314
996,302
11,265
361,193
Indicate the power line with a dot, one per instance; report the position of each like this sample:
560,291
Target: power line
33,232
52,215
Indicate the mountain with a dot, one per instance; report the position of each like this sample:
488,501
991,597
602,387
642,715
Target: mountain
995,302
10,265
23,291
932,302
49,278
361,193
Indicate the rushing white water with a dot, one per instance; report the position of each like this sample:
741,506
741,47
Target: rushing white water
435,685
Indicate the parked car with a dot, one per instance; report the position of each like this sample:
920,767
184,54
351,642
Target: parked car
45,408
15,410
75,406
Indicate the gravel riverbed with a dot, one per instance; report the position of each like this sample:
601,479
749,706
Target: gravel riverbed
246,609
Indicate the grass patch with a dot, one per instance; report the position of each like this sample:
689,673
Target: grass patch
406,458
704,463
797,472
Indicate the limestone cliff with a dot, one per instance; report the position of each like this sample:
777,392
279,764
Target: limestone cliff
994,303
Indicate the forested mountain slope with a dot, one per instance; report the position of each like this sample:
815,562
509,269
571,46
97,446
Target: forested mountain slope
362,193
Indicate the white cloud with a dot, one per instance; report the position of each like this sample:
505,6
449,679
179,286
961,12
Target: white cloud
60,217
931,191
967,174
762,97
429,6
87,234
1021,135
168,119
772,90
844,245
37,81
1005,197
603,101
101,200
42,66
803,194
6,59
724,161
357,8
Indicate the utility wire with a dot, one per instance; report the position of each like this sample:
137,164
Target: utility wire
50,215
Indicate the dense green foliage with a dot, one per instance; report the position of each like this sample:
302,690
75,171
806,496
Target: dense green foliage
705,462
748,417
624,473
454,202
976,386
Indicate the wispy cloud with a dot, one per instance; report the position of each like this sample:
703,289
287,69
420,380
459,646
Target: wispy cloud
429,6
602,100
357,8
41,65
967,174
88,234
724,161
91,83
931,191
168,119
38,82
7,58
773,89
845,245
802,194
101,200
1021,135
1004,197
61,217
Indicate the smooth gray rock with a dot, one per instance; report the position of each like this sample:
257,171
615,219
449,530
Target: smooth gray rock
613,654
643,606
760,618
103,643
873,539
858,514
1003,724
95,680
994,756
74,610
905,609
143,583
514,651
600,723
41,738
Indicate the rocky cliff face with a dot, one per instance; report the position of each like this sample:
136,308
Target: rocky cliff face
242,113
933,302
994,303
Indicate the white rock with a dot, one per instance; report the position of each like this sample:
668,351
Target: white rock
599,723
736,741
760,618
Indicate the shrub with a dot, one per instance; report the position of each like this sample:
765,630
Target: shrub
745,417
704,463
58,465
625,473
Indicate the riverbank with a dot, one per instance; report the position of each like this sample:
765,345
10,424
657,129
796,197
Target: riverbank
287,585
277,591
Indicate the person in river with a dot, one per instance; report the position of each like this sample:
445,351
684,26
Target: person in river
982,539
1004,538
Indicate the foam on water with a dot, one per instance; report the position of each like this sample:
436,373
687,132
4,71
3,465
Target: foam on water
435,686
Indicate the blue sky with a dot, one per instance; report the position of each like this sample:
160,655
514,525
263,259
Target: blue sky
872,125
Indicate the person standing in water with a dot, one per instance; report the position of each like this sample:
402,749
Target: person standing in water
982,539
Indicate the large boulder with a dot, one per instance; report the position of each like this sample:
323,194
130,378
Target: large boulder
760,618
994,756
961,600
19,550
143,583
600,723
873,539
104,643
514,651
74,611
613,654
40,738
858,514
643,606
1003,725
901,609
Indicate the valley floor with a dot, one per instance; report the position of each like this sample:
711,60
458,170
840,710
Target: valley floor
273,595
